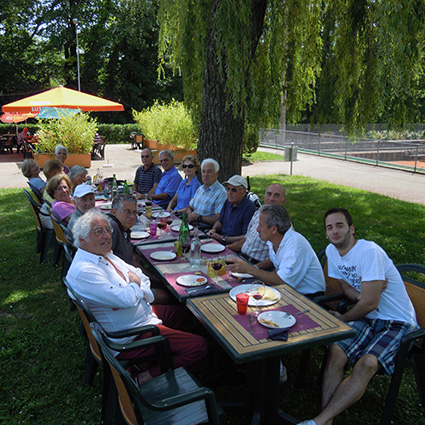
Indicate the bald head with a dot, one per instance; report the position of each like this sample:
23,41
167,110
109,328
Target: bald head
275,194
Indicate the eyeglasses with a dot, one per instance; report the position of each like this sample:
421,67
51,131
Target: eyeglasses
232,189
100,230
187,166
164,160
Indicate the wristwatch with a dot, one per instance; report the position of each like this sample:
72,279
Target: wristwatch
223,240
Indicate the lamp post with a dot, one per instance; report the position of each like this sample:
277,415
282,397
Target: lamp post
75,22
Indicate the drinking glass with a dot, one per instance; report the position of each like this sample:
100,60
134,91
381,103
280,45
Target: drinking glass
216,265
257,291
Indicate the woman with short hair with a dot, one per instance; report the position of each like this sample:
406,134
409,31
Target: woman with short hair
78,175
187,187
59,188
61,153
31,171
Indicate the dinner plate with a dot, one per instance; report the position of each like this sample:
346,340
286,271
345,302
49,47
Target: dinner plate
139,235
241,275
191,280
162,214
176,228
163,255
279,318
105,206
212,248
245,287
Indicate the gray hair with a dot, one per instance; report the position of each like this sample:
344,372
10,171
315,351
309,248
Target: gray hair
148,150
121,198
76,170
166,152
213,162
26,167
59,148
278,216
82,226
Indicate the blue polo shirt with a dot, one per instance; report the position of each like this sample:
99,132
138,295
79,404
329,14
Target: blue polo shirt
235,220
168,184
186,193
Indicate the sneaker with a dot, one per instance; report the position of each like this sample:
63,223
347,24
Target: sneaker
283,376
309,422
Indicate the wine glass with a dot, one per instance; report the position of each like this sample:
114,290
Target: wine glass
257,291
216,265
160,222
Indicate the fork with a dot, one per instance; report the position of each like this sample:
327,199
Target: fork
296,314
250,324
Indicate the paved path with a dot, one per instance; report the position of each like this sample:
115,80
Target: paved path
394,183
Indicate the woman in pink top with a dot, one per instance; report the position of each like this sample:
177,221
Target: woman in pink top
59,188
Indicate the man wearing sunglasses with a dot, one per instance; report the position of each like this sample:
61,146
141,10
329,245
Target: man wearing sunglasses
236,213
147,176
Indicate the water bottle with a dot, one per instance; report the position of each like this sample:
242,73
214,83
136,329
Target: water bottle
195,250
114,189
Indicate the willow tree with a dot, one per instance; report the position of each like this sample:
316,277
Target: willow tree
241,60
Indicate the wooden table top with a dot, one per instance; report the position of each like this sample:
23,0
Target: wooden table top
216,313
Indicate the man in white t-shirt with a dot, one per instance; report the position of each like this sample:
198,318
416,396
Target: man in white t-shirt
290,253
382,315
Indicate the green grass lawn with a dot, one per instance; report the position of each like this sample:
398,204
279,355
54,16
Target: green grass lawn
42,354
263,156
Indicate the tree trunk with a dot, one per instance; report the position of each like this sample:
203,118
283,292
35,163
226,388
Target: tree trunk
221,133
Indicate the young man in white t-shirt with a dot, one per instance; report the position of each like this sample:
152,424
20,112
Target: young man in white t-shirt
383,313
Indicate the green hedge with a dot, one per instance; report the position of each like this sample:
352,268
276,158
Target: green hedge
115,133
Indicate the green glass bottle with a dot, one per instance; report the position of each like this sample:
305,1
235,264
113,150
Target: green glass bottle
184,235
126,189
114,188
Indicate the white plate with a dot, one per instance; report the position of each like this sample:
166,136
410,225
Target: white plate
244,288
139,235
105,206
278,317
191,280
241,275
212,248
176,228
163,255
163,214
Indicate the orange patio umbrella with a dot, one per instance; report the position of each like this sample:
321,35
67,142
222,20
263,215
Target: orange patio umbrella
62,97
9,118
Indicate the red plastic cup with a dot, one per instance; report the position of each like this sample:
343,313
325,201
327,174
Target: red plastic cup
242,303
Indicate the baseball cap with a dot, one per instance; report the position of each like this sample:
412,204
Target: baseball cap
83,189
237,181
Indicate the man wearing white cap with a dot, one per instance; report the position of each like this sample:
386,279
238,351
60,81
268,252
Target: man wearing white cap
83,200
236,213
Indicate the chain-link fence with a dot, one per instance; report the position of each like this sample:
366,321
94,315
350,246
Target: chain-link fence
408,155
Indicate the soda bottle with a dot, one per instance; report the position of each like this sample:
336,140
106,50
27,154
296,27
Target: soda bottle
195,250
114,188
184,235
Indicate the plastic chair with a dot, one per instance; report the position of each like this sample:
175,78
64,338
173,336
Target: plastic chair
171,398
412,348
61,231
44,236
99,148
94,356
38,195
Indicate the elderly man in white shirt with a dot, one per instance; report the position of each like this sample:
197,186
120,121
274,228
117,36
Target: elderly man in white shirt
119,294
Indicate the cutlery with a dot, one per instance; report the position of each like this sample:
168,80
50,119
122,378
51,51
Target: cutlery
296,314
250,324
195,291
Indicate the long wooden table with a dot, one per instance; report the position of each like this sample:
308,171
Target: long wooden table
262,356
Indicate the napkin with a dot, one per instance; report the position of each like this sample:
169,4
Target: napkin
279,334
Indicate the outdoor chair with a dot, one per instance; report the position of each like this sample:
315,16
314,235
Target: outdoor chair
174,397
94,356
44,236
27,149
38,195
99,148
61,240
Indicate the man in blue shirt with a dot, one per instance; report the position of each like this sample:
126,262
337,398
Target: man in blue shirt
235,214
169,182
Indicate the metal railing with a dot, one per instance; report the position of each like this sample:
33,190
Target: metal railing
401,154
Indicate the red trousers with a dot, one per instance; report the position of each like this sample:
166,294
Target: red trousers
187,349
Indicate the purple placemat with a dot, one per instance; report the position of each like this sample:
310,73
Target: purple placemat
148,251
303,323
208,255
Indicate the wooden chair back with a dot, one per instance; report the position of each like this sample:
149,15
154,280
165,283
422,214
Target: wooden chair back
60,235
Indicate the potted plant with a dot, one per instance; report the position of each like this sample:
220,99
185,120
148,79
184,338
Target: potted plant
170,126
75,132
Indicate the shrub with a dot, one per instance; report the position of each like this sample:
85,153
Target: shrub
75,132
168,124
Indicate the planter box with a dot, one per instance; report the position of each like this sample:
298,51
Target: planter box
83,159
151,144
